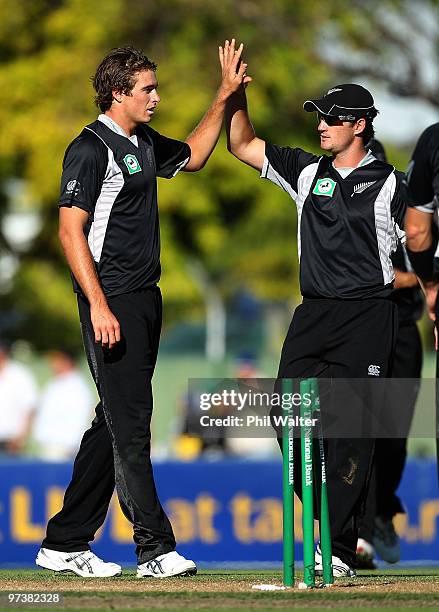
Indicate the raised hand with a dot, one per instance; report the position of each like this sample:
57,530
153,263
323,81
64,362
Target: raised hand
233,69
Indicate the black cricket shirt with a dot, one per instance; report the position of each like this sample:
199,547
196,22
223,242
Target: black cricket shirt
113,178
348,226
423,176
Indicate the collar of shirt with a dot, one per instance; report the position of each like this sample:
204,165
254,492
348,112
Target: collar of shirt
116,128
367,159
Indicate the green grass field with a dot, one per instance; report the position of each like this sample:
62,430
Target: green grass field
400,589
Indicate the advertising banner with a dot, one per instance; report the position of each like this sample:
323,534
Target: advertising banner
224,512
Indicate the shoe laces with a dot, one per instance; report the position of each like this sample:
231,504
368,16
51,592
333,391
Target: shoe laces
86,555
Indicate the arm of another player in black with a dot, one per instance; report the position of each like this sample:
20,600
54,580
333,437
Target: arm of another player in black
398,205
422,185
242,141
422,177
284,165
281,165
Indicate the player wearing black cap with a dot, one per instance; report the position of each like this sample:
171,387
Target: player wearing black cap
421,226
349,209
347,102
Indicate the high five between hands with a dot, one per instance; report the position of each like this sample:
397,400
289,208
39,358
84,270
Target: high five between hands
233,69
204,137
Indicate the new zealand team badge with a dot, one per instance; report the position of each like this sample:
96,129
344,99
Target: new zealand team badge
132,164
324,187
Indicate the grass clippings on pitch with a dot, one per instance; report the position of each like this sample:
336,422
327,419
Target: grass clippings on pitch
221,590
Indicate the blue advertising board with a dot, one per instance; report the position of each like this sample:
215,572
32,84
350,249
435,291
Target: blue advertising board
222,512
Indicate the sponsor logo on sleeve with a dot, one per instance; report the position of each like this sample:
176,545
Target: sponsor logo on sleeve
73,188
324,187
132,164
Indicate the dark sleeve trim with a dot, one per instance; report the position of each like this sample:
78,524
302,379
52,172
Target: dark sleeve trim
80,205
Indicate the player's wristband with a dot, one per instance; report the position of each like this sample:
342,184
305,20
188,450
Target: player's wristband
423,263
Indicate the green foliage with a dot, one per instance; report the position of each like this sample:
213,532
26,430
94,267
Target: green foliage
239,228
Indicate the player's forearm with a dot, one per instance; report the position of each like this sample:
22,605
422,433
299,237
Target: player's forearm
203,139
240,132
421,254
420,246
418,229
81,264
418,238
405,280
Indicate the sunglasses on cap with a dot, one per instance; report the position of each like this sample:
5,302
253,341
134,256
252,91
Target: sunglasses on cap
331,120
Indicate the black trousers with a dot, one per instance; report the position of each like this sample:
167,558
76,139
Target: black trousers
391,453
341,339
116,449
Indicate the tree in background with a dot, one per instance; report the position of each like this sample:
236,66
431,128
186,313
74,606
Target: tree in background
395,42
232,225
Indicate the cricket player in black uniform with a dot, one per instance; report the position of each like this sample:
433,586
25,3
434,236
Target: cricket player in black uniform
109,230
421,227
349,209
376,530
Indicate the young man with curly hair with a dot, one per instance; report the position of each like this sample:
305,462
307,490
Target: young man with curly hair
109,230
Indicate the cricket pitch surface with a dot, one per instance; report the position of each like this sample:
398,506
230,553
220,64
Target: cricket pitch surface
215,590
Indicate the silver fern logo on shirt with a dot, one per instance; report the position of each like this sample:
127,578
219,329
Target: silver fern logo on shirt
361,187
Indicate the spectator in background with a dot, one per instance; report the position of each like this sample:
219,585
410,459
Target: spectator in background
217,441
65,410
18,399
194,439
250,443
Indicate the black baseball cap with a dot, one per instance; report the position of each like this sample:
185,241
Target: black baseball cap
348,102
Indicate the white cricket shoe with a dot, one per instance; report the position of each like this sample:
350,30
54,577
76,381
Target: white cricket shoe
339,568
83,563
386,540
167,565
365,555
